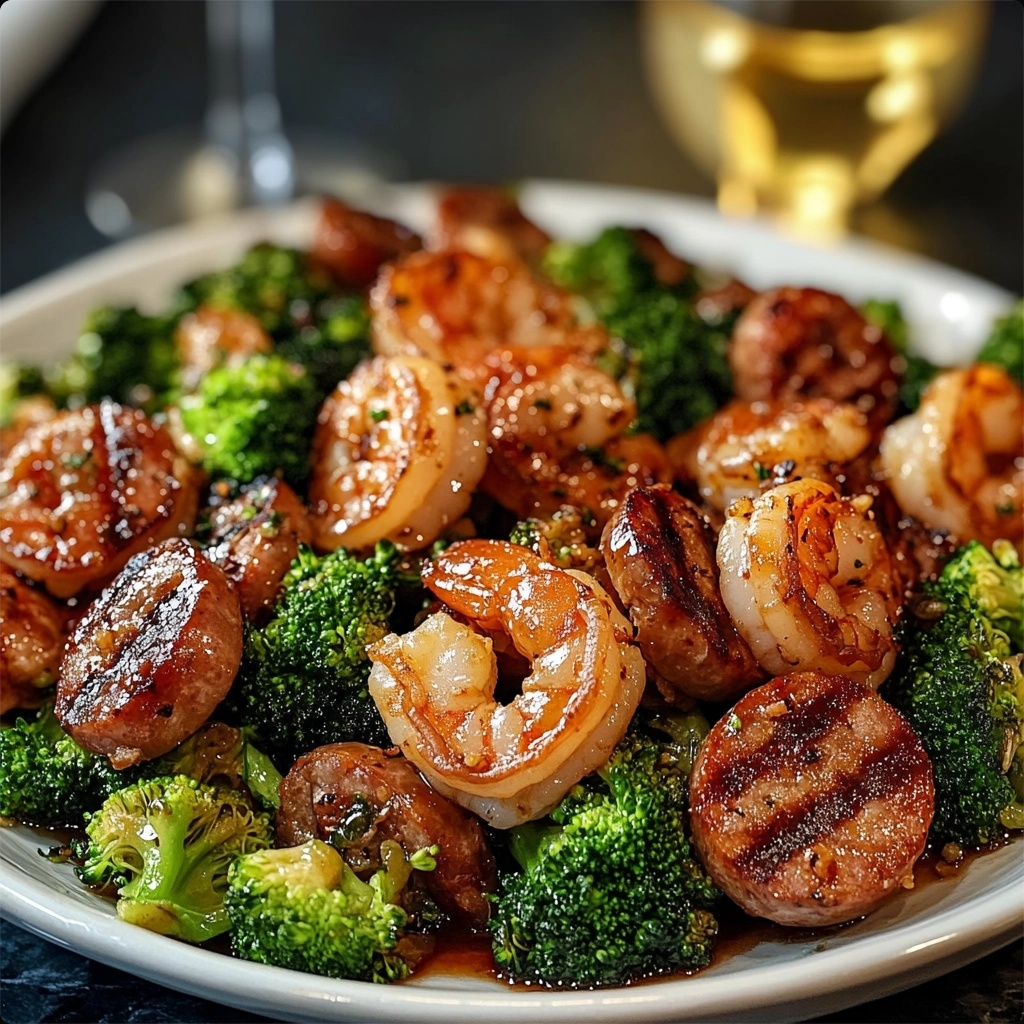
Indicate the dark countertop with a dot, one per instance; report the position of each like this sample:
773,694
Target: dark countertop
493,91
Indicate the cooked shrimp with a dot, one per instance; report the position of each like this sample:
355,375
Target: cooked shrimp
398,450
254,536
660,555
212,337
802,342
488,222
809,583
356,796
353,244
957,463
27,412
81,493
435,687
152,657
748,443
32,634
554,428
456,308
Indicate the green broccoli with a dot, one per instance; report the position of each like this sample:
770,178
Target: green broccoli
254,418
609,892
562,538
46,778
305,909
166,845
1005,344
303,680
917,371
668,357
958,680
120,354
18,381
297,304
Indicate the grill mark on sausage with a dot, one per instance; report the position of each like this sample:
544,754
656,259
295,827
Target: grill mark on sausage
794,736
819,814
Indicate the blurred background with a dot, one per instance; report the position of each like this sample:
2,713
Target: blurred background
499,91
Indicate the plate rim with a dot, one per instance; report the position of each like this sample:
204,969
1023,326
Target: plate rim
23,898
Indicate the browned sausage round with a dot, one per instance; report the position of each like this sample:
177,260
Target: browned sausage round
254,536
84,491
32,634
660,555
803,342
811,800
322,795
153,656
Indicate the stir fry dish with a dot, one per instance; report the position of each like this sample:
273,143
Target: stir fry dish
563,595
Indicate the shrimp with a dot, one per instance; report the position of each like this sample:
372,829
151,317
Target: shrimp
83,492
748,443
488,222
957,463
398,450
660,554
353,244
152,657
254,536
555,425
457,308
356,797
435,687
802,342
809,582
32,634
212,337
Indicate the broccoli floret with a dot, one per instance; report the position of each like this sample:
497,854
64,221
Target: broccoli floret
918,371
670,359
254,418
958,680
18,381
297,304
121,354
1005,345
561,538
609,892
305,909
303,680
166,845
46,778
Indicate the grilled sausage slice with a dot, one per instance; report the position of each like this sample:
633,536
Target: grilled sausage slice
153,656
356,796
811,800
660,554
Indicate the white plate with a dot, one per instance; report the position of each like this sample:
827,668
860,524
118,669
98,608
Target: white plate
917,936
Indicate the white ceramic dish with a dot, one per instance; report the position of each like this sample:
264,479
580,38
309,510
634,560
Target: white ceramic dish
919,935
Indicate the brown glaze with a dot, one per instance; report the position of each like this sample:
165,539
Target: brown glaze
803,342
254,537
318,796
353,245
83,492
153,656
487,221
811,800
660,555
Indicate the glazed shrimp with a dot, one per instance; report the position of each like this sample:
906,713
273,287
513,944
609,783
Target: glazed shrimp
555,424
809,583
457,307
803,342
32,634
748,443
435,687
83,492
488,222
957,463
398,450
